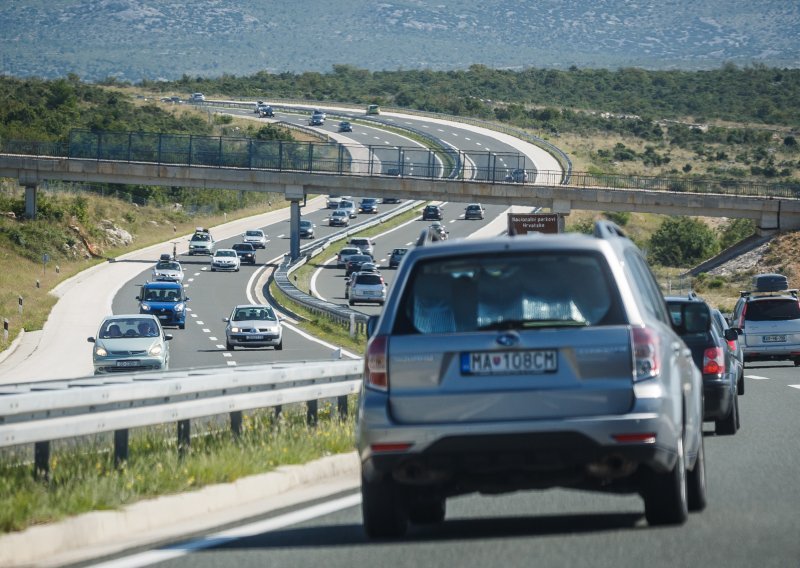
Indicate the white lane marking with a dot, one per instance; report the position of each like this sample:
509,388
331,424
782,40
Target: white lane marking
213,338
227,354
193,315
280,236
408,244
220,346
757,378
454,134
204,269
425,126
196,273
151,557
198,322
206,330
795,386
440,129
479,144
453,220
231,363
190,280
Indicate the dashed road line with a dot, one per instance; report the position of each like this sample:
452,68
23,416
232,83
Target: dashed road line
198,322
757,378
206,330
212,338
795,386
227,354
231,363
220,346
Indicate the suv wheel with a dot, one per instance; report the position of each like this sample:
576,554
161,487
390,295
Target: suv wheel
228,346
665,499
696,480
279,346
382,509
728,425
740,384
181,326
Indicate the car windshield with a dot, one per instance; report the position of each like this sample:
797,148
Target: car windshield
200,237
127,328
245,314
368,279
254,234
539,290
161,295
397,252
243,246
225,253
339,213
167,265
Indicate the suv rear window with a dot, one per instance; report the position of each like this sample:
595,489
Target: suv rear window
773,309
509,291
369,279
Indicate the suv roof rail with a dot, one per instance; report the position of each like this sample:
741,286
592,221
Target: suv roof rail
757,294
608,229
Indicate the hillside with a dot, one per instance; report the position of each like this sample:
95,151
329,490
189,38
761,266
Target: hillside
133,40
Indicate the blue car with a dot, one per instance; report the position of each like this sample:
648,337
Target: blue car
164,300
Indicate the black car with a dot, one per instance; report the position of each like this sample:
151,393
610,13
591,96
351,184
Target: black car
245,251
396,257
432,213
345,126
391,200
354,263
693,321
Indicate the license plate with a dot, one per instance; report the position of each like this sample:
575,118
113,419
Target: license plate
254,337
509,362
773,339
162,317
127,363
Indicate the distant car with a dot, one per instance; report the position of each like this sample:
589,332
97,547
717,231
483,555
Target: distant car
349,206
265,111
333,202
391,200
128,343
366,287
316,120
339,218
518,176
255,237
373,109
201,242
355,261
165,300
225,259
198,97
175,100
368,205
306,229
345,126
169,270
396,256
258,106
369,267
246,252
363,243
474,211
345,254
393,172
432,213
735,345
253,325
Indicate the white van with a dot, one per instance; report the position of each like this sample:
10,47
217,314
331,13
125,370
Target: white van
198,97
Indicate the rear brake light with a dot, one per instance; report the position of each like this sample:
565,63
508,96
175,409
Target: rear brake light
741,317
643,438
713,361
395,447
376,363
646,357
732,345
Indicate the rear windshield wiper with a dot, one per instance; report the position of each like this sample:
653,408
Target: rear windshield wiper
529,323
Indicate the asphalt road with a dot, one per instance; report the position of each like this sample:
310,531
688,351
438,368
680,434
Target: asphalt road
751,520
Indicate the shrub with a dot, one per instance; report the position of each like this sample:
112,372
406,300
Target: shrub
682,241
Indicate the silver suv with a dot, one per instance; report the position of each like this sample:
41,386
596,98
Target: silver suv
527,362
769,317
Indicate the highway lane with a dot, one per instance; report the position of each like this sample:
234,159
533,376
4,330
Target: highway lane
330,282
751,519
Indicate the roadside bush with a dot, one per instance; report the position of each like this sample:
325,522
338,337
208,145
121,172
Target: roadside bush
682,241
734,231
621,218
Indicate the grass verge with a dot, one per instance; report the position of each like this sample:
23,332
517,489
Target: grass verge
83,478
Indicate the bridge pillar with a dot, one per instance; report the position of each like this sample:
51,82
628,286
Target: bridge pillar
30,201
294,193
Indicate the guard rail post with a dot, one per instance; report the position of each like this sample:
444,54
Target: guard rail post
184,437
341,407
41,460
120,447
311,412
236,423
5,330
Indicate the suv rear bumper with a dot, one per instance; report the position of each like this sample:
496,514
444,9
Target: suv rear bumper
717,400
506,456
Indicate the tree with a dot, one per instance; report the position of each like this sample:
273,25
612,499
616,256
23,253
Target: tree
682,241
735,230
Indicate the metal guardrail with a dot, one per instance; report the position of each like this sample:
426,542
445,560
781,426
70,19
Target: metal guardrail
39,413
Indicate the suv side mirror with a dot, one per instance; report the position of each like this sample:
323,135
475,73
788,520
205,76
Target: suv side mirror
730,334
372,324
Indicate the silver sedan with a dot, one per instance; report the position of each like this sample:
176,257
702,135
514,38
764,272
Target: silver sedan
253,325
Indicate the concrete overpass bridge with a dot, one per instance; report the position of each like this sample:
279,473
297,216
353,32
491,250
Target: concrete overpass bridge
298,169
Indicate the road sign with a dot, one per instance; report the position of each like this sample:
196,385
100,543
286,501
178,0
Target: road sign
524,223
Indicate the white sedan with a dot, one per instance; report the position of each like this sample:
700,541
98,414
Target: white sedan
168,270
225,259
255,237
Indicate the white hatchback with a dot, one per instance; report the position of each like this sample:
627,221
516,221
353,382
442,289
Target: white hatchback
225,259
255,237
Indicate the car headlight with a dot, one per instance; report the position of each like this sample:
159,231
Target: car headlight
100,351
235,330
155,350
179,307
145,307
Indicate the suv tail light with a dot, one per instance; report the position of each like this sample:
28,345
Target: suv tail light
646,357
732,345
376,363
741,317
713,361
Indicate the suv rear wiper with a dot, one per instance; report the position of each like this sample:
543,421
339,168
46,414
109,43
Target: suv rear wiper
526,323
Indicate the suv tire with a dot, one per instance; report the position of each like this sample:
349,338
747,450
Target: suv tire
696,481
428,511
727,426
381,507
740,384
665,500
